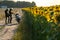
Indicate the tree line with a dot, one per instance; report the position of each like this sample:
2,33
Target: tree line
18,4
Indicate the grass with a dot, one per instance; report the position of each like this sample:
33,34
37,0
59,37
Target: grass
1,27
2,15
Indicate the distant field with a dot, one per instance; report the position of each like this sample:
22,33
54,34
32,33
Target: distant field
1,13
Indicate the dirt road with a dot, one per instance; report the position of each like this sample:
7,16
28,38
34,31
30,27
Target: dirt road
9,30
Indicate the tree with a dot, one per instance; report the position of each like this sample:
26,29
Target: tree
33,3
18,4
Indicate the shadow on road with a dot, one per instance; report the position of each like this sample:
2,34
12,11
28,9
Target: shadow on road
11,24
2,24
8,24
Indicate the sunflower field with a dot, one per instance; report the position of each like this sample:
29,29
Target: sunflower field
39,23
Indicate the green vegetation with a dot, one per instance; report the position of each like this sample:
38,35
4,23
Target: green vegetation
36,28
1,27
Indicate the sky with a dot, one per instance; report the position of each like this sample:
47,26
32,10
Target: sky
43,2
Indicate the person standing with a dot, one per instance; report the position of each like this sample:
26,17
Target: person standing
6,16
10,16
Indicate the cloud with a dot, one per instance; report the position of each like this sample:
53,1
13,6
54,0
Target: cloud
47,2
